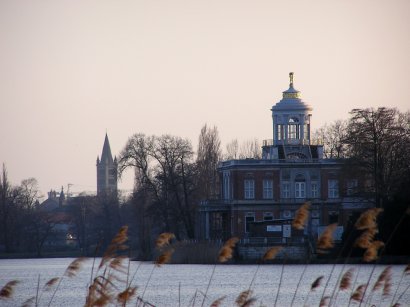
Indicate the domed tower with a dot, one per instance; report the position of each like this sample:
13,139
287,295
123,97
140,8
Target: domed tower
106,170
291,128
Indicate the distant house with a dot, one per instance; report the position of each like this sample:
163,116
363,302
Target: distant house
259,197
55,215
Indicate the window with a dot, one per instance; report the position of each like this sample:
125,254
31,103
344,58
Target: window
285,189
267,216
293,128
351,187
333,217
226,185
333,188
300,190
249,188
280,132
249,218
267,189
314,189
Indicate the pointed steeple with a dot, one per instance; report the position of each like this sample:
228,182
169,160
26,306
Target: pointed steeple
106,152
106,170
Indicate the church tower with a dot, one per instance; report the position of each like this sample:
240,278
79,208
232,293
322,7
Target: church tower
106,170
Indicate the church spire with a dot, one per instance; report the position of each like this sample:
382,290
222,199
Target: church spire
106,152
106,170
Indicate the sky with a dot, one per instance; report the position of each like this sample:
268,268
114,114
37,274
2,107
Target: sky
71,71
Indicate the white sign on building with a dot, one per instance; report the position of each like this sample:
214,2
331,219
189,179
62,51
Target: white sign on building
286,231
274,228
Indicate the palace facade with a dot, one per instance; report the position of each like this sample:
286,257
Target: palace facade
259,197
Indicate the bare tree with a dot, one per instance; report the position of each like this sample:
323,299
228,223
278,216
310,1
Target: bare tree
332,136
165,170
250,149
30,193
7,199
232,150
208,156
378,142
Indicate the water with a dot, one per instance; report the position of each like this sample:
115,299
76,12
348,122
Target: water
166,282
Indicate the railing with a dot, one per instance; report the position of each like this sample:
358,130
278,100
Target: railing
272,161
272,240
270,142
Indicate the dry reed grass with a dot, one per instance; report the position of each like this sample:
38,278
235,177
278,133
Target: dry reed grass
8,289
165,257
218,302
385,276
346,281
316,283
164,239
301,216
324,302
271,253
368,219
366,238
51,283
226,251
244,298
358,293
325,240
104,288
371,252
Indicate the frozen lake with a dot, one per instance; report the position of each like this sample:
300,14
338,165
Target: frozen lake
176,285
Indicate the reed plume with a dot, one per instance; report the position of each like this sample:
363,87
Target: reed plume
368,219
346,280
271,253
164,239
28,302
126,295
249,302
51,283
103,289
226,251
117,244
358,293
325,240
74,267
324,302
218,302
316,283
8,289
407,270
384,276
371,253
165,257
366,238
243,297
231,242
301,216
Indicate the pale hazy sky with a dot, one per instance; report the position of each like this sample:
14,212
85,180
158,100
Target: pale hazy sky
72,70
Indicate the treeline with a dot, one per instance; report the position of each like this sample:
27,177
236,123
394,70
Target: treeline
171,179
